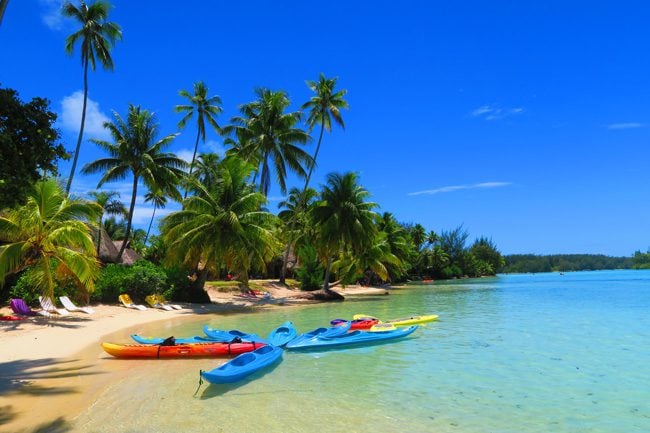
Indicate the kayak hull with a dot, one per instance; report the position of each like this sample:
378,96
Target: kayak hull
405,321
325,332
282,334
221,335
353,338
213,349
365,323
244,365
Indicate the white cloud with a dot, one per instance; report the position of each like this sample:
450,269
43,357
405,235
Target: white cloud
453,188
52,16
492,112
628,125
185,154
71,116
214,146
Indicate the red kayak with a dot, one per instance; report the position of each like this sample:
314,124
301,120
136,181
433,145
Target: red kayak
356,324
179,350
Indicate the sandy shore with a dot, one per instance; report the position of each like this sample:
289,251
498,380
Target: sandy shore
42,357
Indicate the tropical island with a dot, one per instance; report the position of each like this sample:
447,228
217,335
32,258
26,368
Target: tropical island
218,249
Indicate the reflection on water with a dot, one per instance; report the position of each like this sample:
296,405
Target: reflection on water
521,353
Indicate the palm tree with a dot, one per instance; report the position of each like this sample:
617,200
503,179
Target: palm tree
296,209
221,226
136,150
264,131
206,169
206,109
324,106
157,197
50,235
109,206
97,37
344,218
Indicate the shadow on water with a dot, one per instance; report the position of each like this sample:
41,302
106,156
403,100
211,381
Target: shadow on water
18,377
218,389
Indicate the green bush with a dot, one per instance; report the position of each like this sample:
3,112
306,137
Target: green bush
139,280
26,283
310,273
178,285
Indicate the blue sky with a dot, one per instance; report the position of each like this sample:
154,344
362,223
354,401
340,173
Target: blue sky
525,122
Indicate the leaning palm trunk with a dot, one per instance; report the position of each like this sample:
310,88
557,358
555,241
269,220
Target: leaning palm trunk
283,273
196,147
128,224
153,215
81,130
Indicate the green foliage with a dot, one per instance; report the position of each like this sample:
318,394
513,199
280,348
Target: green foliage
139,280
50,234
310,272
523,263
27,282
28,145
641,260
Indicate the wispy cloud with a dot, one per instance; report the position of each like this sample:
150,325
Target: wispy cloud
71,116
493,112
51,14
627,125
185,154
452,188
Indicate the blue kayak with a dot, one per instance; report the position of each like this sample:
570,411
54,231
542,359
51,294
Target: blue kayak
354,337
243,365
282,334
320,332
220,335
158,340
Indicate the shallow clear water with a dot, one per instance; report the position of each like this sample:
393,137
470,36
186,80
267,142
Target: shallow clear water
518,353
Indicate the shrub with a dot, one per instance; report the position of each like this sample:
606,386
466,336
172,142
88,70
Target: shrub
139,280
178,285
310,273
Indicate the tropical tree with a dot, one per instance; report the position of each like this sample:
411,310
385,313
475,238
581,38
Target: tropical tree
110,205
371,262
295,213
116,229
50,234
344,219
97,36
264,131
135,150
206,169
205,107
29,146
159,200
325,105
223,226
398,241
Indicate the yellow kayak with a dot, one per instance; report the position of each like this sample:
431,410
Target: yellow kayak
405,321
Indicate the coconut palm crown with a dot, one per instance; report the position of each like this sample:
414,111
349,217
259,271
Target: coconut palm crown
97,36
50,234
136,151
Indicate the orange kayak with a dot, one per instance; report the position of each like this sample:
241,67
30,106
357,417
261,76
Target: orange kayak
179,350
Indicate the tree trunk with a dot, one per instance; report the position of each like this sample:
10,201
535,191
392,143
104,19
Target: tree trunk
197,291
283,273
326,283
128,224
99,234
150,223
81,130
196,147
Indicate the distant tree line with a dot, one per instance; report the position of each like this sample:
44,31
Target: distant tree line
522,263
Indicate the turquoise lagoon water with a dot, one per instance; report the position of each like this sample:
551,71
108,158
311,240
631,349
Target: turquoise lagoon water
517,353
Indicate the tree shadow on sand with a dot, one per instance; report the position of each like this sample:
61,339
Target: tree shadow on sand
59,425
69,322
20,377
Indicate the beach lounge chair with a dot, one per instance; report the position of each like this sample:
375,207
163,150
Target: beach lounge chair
48,305
153,301
70,306
128,303
19,306
161,300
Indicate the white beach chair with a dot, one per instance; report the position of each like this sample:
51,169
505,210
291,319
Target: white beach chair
48,305
161,300
70,306
128,303
153,301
